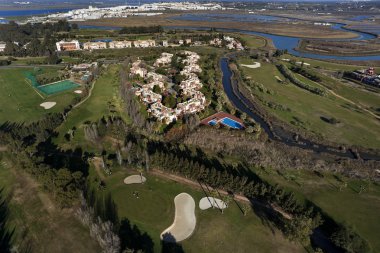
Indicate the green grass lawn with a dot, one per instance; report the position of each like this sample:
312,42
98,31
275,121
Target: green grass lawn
345,205
357,127
20,102
154,210
37,224
104,93
253,41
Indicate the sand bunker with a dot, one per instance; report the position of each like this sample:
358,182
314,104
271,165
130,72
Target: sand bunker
253,66
48,105
207,202
78,91
184,220
305,63
134,179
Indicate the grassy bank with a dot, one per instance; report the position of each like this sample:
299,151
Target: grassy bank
38,225
153,212
21,102
337,196
307,111
104,93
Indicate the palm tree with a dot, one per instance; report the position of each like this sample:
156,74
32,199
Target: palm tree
245,208
141,170
226,199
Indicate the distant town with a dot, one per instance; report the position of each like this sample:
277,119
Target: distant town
124,11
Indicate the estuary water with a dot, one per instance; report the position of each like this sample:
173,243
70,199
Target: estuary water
281,42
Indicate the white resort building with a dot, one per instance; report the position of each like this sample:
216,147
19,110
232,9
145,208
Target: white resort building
120,44
94,45
67,45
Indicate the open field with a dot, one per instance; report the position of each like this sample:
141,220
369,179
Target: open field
345,205
154,210
21,102
306,111
358,47
38,224
300,29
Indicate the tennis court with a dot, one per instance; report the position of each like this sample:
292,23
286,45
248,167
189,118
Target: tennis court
53,88
57,87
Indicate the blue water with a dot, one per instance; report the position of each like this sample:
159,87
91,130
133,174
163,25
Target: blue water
221,17
360,18
290,43
99,27
14,13
231,123
212,122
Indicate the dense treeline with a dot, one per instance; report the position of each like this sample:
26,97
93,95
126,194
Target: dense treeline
60,172
288,74
305,73
140,152
31,39
141,29
5,233
50,78
297,220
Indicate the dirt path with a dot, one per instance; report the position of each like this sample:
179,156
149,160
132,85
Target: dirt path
97,161
88,96
345,99
193,184
201,187
352,102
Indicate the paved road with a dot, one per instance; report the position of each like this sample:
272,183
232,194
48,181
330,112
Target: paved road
30,66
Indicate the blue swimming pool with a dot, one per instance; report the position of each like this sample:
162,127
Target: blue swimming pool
231,123
212,122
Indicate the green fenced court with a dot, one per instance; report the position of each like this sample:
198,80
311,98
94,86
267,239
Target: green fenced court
53,88
57,87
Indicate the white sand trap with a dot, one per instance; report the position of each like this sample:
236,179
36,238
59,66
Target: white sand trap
134,179
184,220
78,91
305,63
253,66
208,202
48,105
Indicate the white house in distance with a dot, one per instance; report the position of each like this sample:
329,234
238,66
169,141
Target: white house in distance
67,45
144,43
94,45
120,44
2,46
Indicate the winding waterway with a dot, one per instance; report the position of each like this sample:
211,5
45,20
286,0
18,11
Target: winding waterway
280,42
245,105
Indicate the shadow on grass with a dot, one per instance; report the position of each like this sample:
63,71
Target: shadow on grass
5,234
132,238
170,245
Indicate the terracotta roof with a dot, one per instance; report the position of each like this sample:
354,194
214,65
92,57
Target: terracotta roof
220,115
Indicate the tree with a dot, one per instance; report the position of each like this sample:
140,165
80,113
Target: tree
250,129
157,89
226,199
300,227
53,59
169,101
141,170
243,116
346,238
245,208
